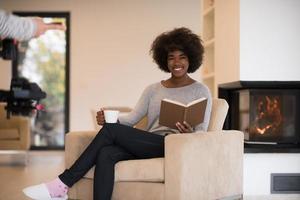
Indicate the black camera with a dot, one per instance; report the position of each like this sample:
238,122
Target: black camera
9,49
23,96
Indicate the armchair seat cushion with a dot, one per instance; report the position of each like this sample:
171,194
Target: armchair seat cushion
9,134
143,170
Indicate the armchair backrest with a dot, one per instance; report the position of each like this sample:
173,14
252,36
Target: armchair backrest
218,114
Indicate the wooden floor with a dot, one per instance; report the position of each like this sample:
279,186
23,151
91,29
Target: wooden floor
46,165
42,166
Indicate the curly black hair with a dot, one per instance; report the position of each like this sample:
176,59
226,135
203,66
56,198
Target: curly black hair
178,39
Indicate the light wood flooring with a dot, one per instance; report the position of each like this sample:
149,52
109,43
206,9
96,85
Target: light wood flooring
42,166
45,165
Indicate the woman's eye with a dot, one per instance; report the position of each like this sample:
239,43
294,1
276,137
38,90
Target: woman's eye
183,57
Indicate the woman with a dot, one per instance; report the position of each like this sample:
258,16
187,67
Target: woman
178,52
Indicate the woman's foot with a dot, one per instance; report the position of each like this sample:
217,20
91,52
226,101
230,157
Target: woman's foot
53,190
57,188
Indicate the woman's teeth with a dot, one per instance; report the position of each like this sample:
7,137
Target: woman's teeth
178,68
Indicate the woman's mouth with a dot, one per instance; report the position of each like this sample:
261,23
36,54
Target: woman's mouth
177,68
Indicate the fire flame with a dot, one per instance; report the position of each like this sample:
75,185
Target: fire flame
269,117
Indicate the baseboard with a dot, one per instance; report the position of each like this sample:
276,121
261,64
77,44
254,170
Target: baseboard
13,157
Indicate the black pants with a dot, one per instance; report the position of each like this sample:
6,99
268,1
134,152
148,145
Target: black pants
113,143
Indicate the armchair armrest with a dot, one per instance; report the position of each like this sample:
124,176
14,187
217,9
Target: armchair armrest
24,129
14,122
76,142
207,165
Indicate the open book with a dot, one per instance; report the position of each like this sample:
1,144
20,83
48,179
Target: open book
172,112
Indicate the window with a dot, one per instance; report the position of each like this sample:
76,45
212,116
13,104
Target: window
45,61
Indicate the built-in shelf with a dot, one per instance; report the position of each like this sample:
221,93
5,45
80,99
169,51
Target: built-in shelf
206,4
209,43
208,37
208,75
209,11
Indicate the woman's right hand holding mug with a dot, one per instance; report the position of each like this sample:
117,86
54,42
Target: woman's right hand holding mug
100,117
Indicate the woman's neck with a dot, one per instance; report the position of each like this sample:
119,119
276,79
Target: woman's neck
174,82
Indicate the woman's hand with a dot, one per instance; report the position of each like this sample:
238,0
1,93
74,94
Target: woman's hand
184,128
42,27
100,117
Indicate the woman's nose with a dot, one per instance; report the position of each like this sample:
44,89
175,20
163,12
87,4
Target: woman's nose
176,60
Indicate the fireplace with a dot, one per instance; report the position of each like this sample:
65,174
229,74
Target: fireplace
268,112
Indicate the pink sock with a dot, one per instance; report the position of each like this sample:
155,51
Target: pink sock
57,188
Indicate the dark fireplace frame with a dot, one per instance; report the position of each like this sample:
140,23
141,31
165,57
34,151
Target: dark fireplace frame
228,92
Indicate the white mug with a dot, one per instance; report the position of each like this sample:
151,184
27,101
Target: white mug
111,116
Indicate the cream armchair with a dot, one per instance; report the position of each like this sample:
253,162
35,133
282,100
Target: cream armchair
198,166
14,132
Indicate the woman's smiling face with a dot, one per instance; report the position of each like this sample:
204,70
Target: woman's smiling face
178,63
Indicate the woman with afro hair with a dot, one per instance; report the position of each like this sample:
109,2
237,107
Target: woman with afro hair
178,52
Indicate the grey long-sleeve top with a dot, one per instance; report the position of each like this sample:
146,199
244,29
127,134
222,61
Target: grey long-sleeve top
20,28
150,101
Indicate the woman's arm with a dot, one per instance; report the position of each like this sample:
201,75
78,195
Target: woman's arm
24,28
139,111
15,27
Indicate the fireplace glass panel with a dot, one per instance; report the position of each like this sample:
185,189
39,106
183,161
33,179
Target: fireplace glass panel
269,115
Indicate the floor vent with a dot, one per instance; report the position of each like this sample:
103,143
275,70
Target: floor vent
282,183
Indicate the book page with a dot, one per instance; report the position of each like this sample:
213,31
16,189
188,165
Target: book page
195,101
184,105
174,102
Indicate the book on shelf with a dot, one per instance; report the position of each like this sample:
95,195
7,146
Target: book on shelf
172,112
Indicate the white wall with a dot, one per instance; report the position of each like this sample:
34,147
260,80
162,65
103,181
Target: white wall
110,42
259,166
269,50
269,40
5,74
